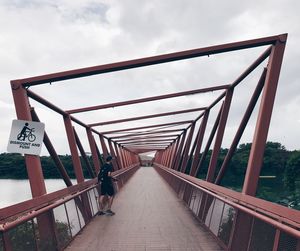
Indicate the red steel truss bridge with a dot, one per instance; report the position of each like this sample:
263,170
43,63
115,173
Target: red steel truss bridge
161,203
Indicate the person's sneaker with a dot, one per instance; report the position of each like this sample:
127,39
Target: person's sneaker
109,212
100,213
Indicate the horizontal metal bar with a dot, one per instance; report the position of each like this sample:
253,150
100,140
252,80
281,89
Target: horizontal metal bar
40,201
34,212
147,133
276,223
88,71
173,136
142,100
152,140
145,127
145,144
143,150
147,117
154,148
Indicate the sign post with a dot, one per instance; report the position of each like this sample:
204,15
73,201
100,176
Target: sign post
26,137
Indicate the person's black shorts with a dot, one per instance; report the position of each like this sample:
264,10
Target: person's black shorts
107,189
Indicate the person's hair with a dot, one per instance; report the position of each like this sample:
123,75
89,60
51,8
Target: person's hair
108,158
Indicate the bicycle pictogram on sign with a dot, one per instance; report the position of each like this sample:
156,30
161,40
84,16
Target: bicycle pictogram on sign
26,132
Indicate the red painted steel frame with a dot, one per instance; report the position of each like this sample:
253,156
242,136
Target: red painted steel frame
173,151
152,60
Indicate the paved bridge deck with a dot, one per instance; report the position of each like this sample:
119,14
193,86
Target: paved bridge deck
149,216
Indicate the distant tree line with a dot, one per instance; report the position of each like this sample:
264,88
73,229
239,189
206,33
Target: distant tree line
279,177
279,182
12,166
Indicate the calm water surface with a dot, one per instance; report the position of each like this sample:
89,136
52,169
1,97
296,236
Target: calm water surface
15,191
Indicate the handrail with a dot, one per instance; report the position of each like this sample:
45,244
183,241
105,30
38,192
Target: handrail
34,213
41,201
266,218
121,171
50,204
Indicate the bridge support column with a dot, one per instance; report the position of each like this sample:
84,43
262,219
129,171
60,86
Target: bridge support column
187,149
104,148
173,156
209,141
199,143
119,158
219,137
264,118
93,150
84,156
113,154
73,149
178,153
34,168
85,208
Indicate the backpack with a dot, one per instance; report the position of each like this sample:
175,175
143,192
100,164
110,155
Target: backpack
102,176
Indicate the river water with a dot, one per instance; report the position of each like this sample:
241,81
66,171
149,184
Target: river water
15,191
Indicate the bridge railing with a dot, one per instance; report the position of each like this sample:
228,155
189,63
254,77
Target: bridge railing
237,221
19,223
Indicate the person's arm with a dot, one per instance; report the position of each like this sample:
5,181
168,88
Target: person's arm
113,178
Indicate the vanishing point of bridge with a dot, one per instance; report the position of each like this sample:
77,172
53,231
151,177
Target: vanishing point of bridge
164,206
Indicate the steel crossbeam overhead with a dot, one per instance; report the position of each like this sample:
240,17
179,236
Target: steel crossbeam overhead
200,52
147,133
147,116
173,136
118,135
150,144
154,98
167,141
145,142
145,127
149,147
152,140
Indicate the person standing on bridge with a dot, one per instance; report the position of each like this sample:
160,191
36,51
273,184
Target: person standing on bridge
105,181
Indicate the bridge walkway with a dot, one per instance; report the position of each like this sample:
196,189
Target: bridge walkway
149,216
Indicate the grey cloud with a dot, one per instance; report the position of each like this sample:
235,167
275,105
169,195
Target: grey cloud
49,36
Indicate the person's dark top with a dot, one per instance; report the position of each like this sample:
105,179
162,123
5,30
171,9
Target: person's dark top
103,174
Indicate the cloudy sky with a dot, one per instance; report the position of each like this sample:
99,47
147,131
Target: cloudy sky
39,37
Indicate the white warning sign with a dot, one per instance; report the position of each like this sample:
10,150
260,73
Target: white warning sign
26,137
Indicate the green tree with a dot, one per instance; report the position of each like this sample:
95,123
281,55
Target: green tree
275,158
292,171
